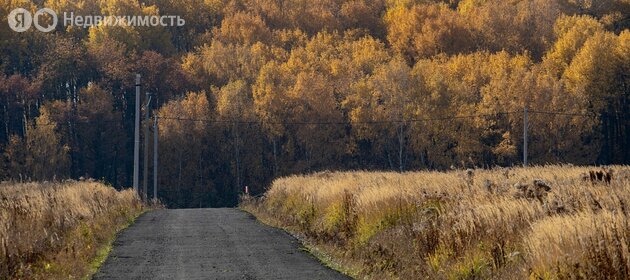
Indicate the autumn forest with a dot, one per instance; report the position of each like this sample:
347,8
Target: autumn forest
250,90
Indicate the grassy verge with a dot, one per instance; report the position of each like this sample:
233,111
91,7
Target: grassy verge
319,250
105,249
543,222
60,231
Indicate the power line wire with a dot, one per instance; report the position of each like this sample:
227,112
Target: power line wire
67,123
563,113
339,123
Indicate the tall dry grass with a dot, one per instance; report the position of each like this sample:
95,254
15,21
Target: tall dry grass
460,224
53,230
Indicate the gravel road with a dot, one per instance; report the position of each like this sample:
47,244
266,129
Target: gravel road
208,244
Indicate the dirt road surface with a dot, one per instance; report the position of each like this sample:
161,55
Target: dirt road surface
208,244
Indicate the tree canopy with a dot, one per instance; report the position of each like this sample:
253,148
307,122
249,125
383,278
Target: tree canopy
249,90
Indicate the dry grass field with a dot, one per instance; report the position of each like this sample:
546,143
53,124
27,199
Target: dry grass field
57,230
553,222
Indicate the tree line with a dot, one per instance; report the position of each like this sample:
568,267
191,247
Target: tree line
249,90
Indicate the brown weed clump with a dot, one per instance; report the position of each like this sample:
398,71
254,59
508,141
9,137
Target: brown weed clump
53,230
540,222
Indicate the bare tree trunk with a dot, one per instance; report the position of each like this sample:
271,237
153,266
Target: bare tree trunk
401,131
178,193
6,119
275,158
201,169
237,157
24,118
179,175
401,140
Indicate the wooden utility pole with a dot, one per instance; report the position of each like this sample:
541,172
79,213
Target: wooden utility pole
145,175
136,147
155,157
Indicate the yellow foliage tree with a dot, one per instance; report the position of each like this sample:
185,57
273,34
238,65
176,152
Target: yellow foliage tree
46,156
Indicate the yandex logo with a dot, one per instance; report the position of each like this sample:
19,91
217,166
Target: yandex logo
21,20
